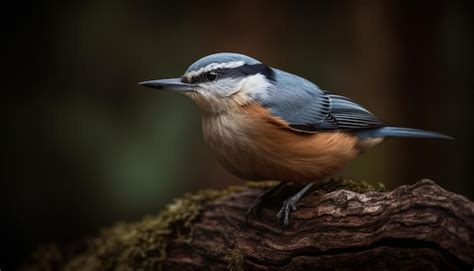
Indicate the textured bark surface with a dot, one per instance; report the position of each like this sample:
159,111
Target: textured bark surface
412,227
417,227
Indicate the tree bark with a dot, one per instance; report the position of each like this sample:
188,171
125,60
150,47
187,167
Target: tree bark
417,227
413,227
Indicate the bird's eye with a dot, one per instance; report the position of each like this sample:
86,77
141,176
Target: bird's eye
211,76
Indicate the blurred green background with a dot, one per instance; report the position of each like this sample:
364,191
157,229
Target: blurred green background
87,147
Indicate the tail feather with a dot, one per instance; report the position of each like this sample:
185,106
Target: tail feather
400,132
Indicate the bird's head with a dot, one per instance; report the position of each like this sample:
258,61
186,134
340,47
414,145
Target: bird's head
221,81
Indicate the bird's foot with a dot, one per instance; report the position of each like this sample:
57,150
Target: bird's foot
257,204
252,210
291,204
284,213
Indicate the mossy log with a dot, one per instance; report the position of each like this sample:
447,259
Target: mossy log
354,227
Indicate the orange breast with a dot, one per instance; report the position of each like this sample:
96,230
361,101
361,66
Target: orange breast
253,144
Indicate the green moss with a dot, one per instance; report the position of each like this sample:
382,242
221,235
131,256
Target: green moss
327,186
235,260
134,246
261,184
381,188
346,184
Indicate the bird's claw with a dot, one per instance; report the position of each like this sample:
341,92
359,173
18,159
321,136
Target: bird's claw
284,214
252,210
291,204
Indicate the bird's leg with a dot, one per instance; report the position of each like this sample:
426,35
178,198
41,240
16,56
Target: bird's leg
291,205
262,198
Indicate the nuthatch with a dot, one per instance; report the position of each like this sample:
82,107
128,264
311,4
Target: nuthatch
266,124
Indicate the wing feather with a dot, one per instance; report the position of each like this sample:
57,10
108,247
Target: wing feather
306,108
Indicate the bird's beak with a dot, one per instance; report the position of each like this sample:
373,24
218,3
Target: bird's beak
173,84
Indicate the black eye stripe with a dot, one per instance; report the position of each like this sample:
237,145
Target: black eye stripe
201,78
240,71
255,69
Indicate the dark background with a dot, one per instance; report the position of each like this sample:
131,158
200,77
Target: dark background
86,146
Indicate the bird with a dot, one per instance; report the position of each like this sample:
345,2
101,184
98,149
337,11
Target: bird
263,123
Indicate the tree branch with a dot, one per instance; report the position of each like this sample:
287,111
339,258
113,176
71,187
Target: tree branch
417,227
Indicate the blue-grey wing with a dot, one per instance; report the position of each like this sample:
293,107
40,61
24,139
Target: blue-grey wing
309,109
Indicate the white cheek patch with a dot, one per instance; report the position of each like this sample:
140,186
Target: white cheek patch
252,87
223,87
226,93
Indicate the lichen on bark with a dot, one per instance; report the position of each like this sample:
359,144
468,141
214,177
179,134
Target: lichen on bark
235,260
